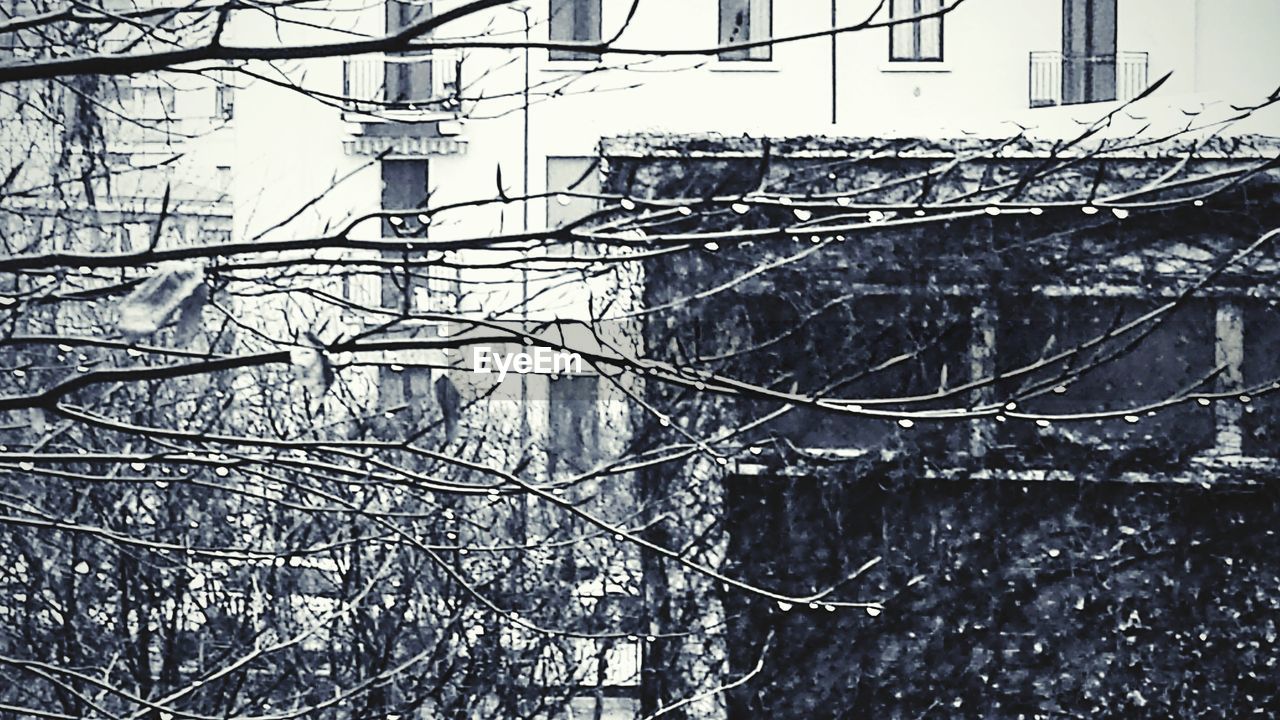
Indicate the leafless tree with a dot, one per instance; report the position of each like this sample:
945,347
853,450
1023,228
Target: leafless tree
233,487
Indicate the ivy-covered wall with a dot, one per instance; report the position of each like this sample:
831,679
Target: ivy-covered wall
1008,599
1121,567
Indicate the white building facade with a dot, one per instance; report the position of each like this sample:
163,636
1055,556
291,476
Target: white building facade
445,121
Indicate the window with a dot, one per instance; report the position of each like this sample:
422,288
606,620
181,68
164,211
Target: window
147,102
930,339
224,98
1088,51
575,21
574,423
406,13
1258,330
407,77
917,40
404,187
579,175
406,391
745,21
1127,371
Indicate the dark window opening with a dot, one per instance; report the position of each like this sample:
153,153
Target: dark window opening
404,187
1125,371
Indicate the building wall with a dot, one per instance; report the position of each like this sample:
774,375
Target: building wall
1213,49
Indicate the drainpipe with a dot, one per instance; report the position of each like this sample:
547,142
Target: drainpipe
524,9
524,227
525,432
834,74
524,12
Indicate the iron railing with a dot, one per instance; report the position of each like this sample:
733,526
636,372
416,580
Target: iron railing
421,82
1057,79
439,294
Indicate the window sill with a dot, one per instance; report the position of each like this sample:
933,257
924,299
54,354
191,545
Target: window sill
382,117
733,66
572,66
916,66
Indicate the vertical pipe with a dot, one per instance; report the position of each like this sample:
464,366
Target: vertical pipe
834,74
524,223
524,11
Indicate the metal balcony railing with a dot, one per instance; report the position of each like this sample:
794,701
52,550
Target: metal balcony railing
1057,79
432,290
426,82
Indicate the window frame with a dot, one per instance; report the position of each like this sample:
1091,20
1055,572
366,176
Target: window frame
594,29
756,10
916,26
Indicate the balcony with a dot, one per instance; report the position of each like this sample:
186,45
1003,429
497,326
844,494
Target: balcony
1057,79
425,84
432,289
